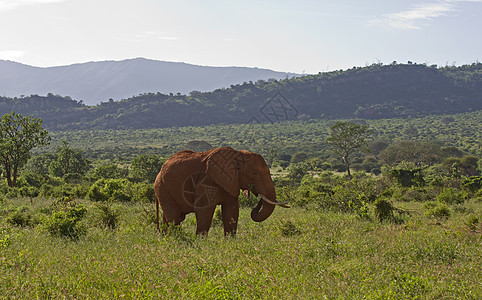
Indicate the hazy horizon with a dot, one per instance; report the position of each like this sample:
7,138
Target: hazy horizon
305,36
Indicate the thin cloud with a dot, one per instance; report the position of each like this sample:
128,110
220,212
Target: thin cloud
419,15
13,4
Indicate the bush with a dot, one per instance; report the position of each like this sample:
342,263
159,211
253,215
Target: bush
10,192
450,196
66,222
473,183
62,190
438,210
22,217
311,190
376,171
107,215
408,177
111,190
46,190
143,192
333,193
383,210
33,179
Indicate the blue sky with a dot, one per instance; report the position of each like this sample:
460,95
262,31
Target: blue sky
308,36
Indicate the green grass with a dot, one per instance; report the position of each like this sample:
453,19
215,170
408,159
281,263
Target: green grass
323,255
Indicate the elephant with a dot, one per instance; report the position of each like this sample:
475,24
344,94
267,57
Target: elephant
199,181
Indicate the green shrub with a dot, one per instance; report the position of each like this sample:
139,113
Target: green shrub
33,179
118,189
107,214
12,192
46,190
111,190
143,192
408,177
473,183
22,216
439,210
450,196
383,210
95,192
376,171
66,222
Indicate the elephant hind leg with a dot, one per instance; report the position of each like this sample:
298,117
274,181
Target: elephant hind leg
172,218
171,215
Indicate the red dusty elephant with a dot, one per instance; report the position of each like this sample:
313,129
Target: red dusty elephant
197,182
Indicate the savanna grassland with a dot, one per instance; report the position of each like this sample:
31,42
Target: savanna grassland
295,254
80,222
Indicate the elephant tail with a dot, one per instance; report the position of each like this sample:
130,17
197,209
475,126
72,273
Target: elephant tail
156,198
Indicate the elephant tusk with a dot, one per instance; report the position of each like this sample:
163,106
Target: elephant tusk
282,204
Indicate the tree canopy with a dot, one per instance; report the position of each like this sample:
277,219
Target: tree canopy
18,135
347,137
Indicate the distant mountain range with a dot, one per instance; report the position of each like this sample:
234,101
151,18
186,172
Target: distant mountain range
94,82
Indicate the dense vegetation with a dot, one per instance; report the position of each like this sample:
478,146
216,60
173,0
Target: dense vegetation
372,92
79,223
281,139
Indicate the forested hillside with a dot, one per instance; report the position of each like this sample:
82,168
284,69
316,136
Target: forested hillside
376,91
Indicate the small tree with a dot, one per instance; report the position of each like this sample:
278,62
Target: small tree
69,161
18,135
146,167
347,137
417,152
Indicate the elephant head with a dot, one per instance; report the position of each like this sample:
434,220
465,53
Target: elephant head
242,170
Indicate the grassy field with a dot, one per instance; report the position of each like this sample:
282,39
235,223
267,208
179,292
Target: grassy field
295,254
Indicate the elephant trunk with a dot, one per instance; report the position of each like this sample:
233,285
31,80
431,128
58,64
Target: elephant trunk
264,208
261,211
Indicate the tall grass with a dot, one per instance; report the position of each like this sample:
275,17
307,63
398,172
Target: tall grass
295,254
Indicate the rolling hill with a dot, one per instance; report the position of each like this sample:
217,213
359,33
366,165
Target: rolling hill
94,82
373,92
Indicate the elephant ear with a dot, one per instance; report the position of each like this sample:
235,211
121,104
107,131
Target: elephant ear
222,165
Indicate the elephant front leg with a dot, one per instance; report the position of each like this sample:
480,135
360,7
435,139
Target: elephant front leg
230,212
204,218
